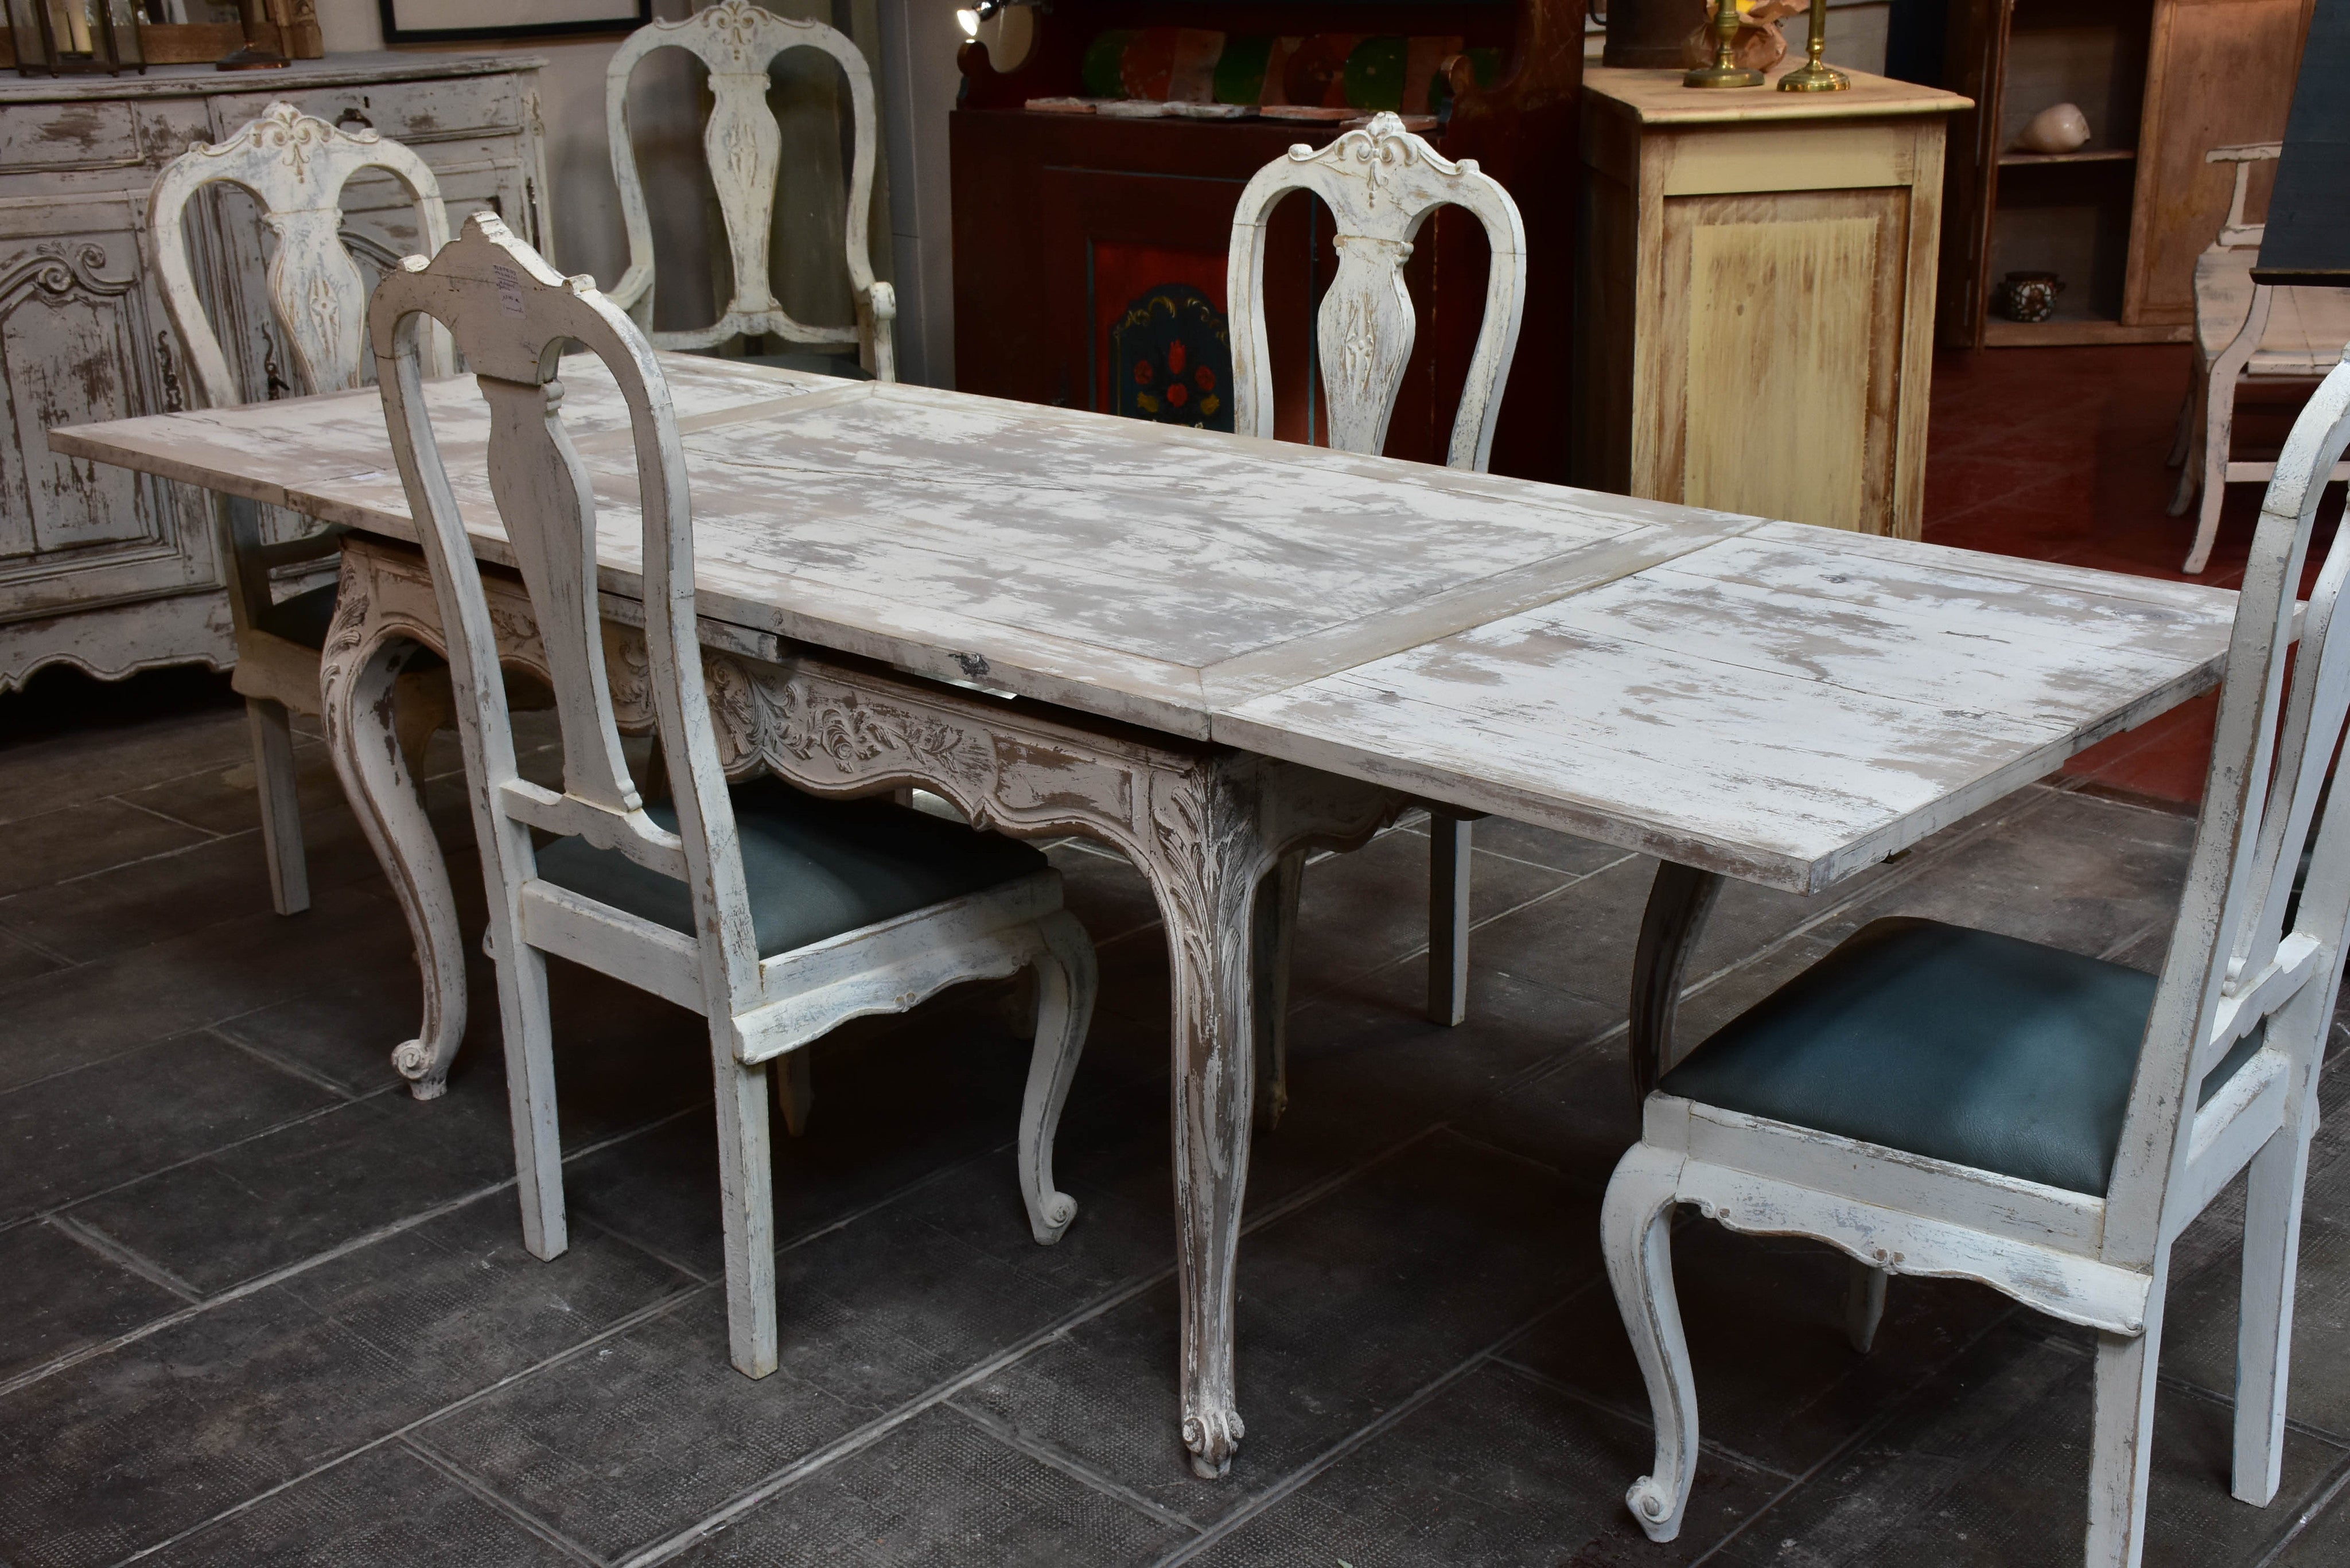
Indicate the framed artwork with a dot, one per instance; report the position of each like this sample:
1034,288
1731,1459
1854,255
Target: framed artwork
461,21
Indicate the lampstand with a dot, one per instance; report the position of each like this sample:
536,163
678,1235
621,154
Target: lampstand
1721,73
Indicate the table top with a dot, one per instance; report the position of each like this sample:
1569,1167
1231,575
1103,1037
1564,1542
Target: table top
1659,97
1781,703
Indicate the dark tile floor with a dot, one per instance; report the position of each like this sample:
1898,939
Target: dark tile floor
259,1307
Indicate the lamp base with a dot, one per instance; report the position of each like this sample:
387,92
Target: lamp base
1813,77
1721,77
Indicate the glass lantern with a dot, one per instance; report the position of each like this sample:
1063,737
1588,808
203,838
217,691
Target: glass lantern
63,38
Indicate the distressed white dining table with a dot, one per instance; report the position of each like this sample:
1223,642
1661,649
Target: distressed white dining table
1208,651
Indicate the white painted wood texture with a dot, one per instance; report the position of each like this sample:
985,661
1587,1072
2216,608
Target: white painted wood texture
1380,183
2243,332
1777,703
737,41
1130,573
2099,1259
512,315
294,166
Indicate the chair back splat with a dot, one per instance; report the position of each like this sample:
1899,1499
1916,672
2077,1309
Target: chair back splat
797,913
738,40
296,166
1380,182
513,315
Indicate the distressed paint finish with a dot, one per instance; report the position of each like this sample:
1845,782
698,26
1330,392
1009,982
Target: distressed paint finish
1677,680
512,315
112,578
1380,182
296,166
2237,962
737,41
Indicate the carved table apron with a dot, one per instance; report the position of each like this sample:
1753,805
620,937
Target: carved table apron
1203,823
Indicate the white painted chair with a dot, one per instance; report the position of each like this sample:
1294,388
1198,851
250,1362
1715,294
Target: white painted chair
1944,1101
776,914
738,40
2244,331
295,165
1380,183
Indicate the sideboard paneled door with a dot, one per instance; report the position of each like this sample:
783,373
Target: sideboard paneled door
114,572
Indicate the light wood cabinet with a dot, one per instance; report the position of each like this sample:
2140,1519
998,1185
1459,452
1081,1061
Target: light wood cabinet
110,571
1754,301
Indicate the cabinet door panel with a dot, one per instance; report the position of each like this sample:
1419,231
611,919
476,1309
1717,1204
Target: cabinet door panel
74,333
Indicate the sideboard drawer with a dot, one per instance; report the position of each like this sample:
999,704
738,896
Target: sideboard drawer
416,113
38,138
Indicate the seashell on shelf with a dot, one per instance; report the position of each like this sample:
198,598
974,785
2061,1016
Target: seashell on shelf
2059,128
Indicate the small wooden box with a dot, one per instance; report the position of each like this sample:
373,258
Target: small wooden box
1754,304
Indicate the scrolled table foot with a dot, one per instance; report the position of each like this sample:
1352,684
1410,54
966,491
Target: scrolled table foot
427,1080
1652,1506
1213,1436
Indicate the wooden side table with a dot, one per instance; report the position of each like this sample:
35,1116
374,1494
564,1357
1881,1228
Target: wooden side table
1755,302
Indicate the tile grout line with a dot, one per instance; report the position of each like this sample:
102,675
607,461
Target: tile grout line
293,1069
1068,1465
1394,1415
210,835
1867,1429
262,1282
131,1181
106,1247
859,1438
2322,1499
1645,1420
618,1325
455,1473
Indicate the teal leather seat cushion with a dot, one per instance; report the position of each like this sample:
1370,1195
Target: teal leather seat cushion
815,867
303,619
1958,1045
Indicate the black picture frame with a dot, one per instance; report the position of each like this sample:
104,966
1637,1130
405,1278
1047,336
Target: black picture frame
637,14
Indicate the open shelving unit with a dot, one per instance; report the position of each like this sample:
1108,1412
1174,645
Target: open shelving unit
2120,220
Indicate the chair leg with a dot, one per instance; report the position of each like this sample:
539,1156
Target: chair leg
1276,937
1636,1237
2182,435
2124,1439
2219,414
1066,983
747,1200
528,1030
1864,1304
794,1089
1447,919
281,806
2264,1321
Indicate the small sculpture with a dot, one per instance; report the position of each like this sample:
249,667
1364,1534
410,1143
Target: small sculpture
2059,128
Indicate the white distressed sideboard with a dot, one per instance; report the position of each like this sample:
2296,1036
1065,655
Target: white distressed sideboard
115,572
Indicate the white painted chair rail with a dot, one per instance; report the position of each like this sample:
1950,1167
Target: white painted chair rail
2243,331
295,165
513,317
738,40
1381,183
2100,1261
